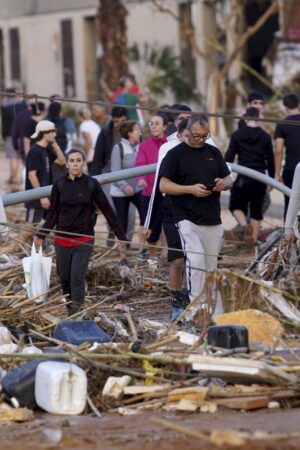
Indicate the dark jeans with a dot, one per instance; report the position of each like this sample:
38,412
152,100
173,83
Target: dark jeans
287,176
157,225
71,266
122,207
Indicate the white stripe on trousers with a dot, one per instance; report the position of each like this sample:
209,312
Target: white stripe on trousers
201,244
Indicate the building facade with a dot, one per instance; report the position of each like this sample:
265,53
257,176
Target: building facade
50,47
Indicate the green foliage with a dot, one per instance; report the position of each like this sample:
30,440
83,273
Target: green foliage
165,72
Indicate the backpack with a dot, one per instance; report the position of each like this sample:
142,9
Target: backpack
60,185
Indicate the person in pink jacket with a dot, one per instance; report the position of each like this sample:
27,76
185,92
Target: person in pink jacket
148,154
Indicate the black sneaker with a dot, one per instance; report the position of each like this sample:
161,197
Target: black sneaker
110,241
143,255
180,299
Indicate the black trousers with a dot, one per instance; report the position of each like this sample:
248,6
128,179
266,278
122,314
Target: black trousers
157,224
71,266
287,176
122,207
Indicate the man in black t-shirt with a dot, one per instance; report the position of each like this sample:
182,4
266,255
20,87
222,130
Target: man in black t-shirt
38,113
288,136
194,173
38,167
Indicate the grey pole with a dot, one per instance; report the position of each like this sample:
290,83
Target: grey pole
260,177
34,194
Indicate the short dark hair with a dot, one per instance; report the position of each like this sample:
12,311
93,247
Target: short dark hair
54,109
37,108
118,111
290,101
198,118
163,116
179,108
252,113
254,96
126,127
41,135
182,125
75,150
169,115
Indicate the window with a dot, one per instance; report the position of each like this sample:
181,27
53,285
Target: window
15,63
68,58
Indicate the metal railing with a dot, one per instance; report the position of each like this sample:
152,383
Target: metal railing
34,194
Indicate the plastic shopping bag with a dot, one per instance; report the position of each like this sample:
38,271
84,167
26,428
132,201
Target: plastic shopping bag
37,271
3,221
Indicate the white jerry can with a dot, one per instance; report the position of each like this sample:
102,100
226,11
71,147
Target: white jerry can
60,388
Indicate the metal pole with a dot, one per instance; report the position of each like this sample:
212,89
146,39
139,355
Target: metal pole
260,177
34,194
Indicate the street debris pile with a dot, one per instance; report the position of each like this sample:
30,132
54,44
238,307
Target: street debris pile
126,357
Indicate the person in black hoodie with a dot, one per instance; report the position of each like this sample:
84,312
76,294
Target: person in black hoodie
253,148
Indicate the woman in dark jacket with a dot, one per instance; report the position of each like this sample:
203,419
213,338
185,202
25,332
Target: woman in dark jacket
72,210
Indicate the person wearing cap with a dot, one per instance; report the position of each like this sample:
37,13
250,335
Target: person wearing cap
253,148
39,161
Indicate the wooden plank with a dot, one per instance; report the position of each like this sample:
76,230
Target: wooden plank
246,403
49,318
143,389
240,370
190,393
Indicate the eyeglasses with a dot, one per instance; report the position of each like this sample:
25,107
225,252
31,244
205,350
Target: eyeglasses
154,124
200,137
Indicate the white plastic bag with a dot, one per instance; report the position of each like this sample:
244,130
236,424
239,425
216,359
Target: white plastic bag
37,271
3,220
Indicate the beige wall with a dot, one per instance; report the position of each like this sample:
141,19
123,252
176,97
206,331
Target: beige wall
41,57
41,64
147,26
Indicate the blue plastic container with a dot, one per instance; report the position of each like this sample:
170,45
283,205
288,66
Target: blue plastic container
19,384
77,332
228,336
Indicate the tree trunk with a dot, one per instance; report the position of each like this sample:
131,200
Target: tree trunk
113,38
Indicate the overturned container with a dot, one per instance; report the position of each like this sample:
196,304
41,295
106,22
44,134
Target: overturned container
228,336
77,332
60,388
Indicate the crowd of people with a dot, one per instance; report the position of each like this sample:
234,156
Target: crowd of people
180,202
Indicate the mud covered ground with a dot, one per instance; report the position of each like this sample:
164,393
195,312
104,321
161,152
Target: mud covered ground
113,432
